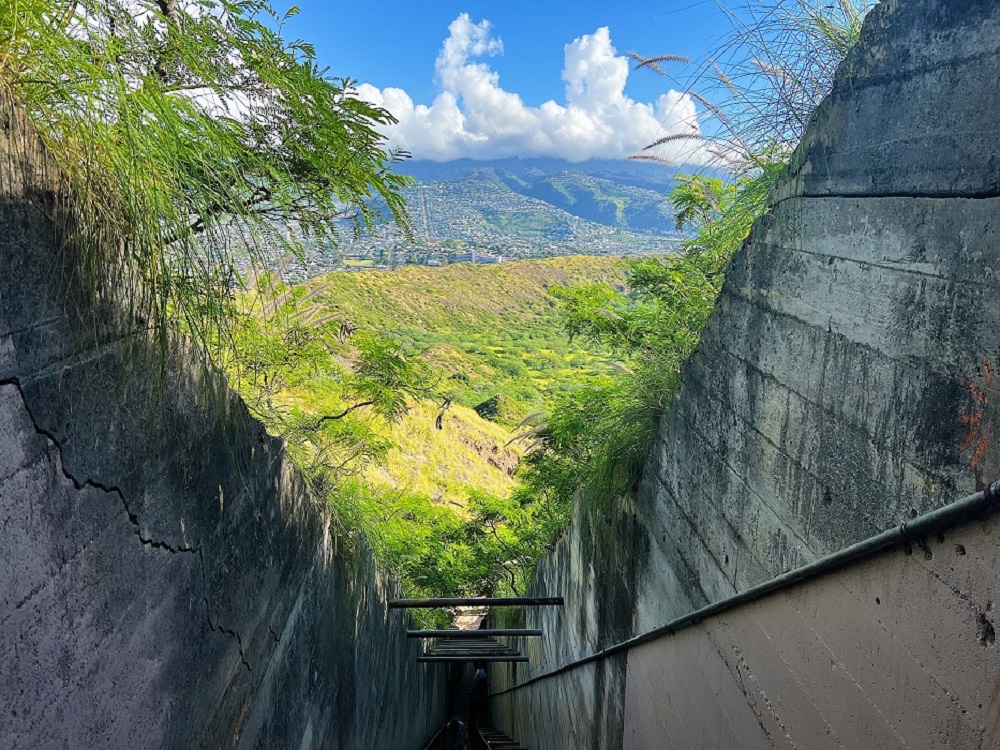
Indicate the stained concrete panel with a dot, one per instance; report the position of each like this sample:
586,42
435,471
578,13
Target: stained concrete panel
896,652
702,703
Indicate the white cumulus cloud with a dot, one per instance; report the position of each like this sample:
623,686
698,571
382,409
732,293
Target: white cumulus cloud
473,116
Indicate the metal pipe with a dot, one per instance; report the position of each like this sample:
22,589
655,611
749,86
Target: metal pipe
447,651
472,633
460,652
459,643
513,601
966,509
491,652
472,658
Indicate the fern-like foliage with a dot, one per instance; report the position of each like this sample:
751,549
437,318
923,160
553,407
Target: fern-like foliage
190,133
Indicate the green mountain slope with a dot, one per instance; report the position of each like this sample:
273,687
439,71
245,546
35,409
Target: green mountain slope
601,200
491,330
492,340
534,209
399,394
495,208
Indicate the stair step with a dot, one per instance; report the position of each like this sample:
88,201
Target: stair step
496,740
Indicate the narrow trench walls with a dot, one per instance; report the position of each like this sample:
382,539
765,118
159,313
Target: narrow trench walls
846,381
164,580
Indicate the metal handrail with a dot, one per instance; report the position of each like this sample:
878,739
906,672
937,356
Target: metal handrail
477,601
980,503
473,634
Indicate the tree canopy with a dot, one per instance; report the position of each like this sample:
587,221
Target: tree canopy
190,130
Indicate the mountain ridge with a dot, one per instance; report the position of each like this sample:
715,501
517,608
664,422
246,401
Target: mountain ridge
626,196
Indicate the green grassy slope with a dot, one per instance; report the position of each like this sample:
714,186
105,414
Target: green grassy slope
467,452
605,201
399,394
460,295
488,332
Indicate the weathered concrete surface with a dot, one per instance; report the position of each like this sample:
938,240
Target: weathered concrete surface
898,652
165,582
847,379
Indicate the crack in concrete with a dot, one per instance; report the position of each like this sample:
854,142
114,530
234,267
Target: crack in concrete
803,689
157,544
902,645
738,678
695,530
43,585
965,195
33,326
885,264
804,545
826,410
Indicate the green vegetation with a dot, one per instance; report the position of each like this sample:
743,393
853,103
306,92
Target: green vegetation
441,413
488,330
597,198
374,378
595,441
763,82
173,120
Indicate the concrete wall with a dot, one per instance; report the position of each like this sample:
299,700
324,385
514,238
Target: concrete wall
896,652
164,580
846,381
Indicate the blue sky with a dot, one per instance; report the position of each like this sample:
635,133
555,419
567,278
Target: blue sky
394,43
486,95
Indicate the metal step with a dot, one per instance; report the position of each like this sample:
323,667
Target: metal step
469,649
496,740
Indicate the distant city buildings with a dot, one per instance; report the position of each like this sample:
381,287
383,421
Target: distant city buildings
482,259
465,220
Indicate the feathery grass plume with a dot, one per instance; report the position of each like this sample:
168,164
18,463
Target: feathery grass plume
761,84
189,132
776,67
654,63
674,137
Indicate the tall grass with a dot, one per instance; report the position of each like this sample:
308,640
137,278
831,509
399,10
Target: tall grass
759,87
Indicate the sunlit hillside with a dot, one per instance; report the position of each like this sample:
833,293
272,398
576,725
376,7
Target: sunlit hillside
408,399
489,331
460,296
492,339
443,464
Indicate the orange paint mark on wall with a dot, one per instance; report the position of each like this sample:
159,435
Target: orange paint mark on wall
980,433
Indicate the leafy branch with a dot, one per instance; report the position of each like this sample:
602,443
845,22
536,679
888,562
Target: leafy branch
191,133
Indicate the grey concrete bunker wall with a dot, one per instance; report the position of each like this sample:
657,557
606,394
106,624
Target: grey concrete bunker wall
165,582
846,381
